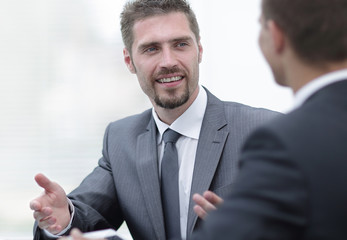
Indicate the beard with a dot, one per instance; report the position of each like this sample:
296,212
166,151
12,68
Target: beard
172,102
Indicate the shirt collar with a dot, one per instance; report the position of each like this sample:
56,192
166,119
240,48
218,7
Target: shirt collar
310,88
189,123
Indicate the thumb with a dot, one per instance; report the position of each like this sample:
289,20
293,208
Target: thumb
45,183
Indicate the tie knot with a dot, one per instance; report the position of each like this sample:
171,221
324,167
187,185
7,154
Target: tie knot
170,136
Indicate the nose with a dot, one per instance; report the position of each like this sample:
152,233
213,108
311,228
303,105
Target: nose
168,58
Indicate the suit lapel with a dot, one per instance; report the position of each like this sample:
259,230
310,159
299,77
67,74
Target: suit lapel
210,147
147,168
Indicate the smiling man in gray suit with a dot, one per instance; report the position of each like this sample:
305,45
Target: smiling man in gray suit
162,47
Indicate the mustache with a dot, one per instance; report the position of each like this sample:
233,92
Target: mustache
166,71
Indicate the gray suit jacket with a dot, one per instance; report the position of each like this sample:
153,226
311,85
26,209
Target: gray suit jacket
125,185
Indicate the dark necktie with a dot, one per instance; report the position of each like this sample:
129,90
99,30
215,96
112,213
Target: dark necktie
169,186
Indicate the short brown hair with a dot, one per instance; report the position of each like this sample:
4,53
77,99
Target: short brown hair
316,29
136,10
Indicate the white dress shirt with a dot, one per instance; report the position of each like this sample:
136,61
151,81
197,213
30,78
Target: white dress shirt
310,88
188,125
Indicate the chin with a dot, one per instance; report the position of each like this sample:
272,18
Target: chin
172,103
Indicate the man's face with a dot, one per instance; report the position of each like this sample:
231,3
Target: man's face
165,58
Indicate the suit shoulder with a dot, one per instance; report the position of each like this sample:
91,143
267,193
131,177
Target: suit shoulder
247,108
246,112
131,123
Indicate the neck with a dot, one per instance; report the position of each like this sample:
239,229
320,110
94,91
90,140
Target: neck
168,116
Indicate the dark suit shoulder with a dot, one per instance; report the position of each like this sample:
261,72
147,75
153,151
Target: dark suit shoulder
316,125
299,123
318,115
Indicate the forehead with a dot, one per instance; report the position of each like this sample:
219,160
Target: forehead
161,28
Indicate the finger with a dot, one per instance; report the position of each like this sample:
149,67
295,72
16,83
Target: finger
44,213
35,205
200,211
54,229
202,202
213,198
45,183
197,198
47,223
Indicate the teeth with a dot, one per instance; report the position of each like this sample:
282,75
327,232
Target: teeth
167,80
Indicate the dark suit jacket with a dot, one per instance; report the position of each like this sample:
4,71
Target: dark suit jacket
125,185
292,182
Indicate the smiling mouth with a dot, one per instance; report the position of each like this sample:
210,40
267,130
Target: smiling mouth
169,80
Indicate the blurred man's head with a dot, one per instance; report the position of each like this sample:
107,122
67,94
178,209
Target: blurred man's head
315,30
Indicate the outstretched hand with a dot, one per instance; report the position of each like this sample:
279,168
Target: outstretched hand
206,203
51,208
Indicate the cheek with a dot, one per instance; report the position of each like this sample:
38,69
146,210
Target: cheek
141,69
190,63
145,74
260,41
263,45
148,65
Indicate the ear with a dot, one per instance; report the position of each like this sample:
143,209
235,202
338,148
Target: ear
201,50
277,36
128,61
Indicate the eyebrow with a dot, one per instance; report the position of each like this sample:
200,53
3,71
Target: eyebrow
146,45
182,39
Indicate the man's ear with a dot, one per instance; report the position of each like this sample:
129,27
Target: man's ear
128,61
201,50
277,36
